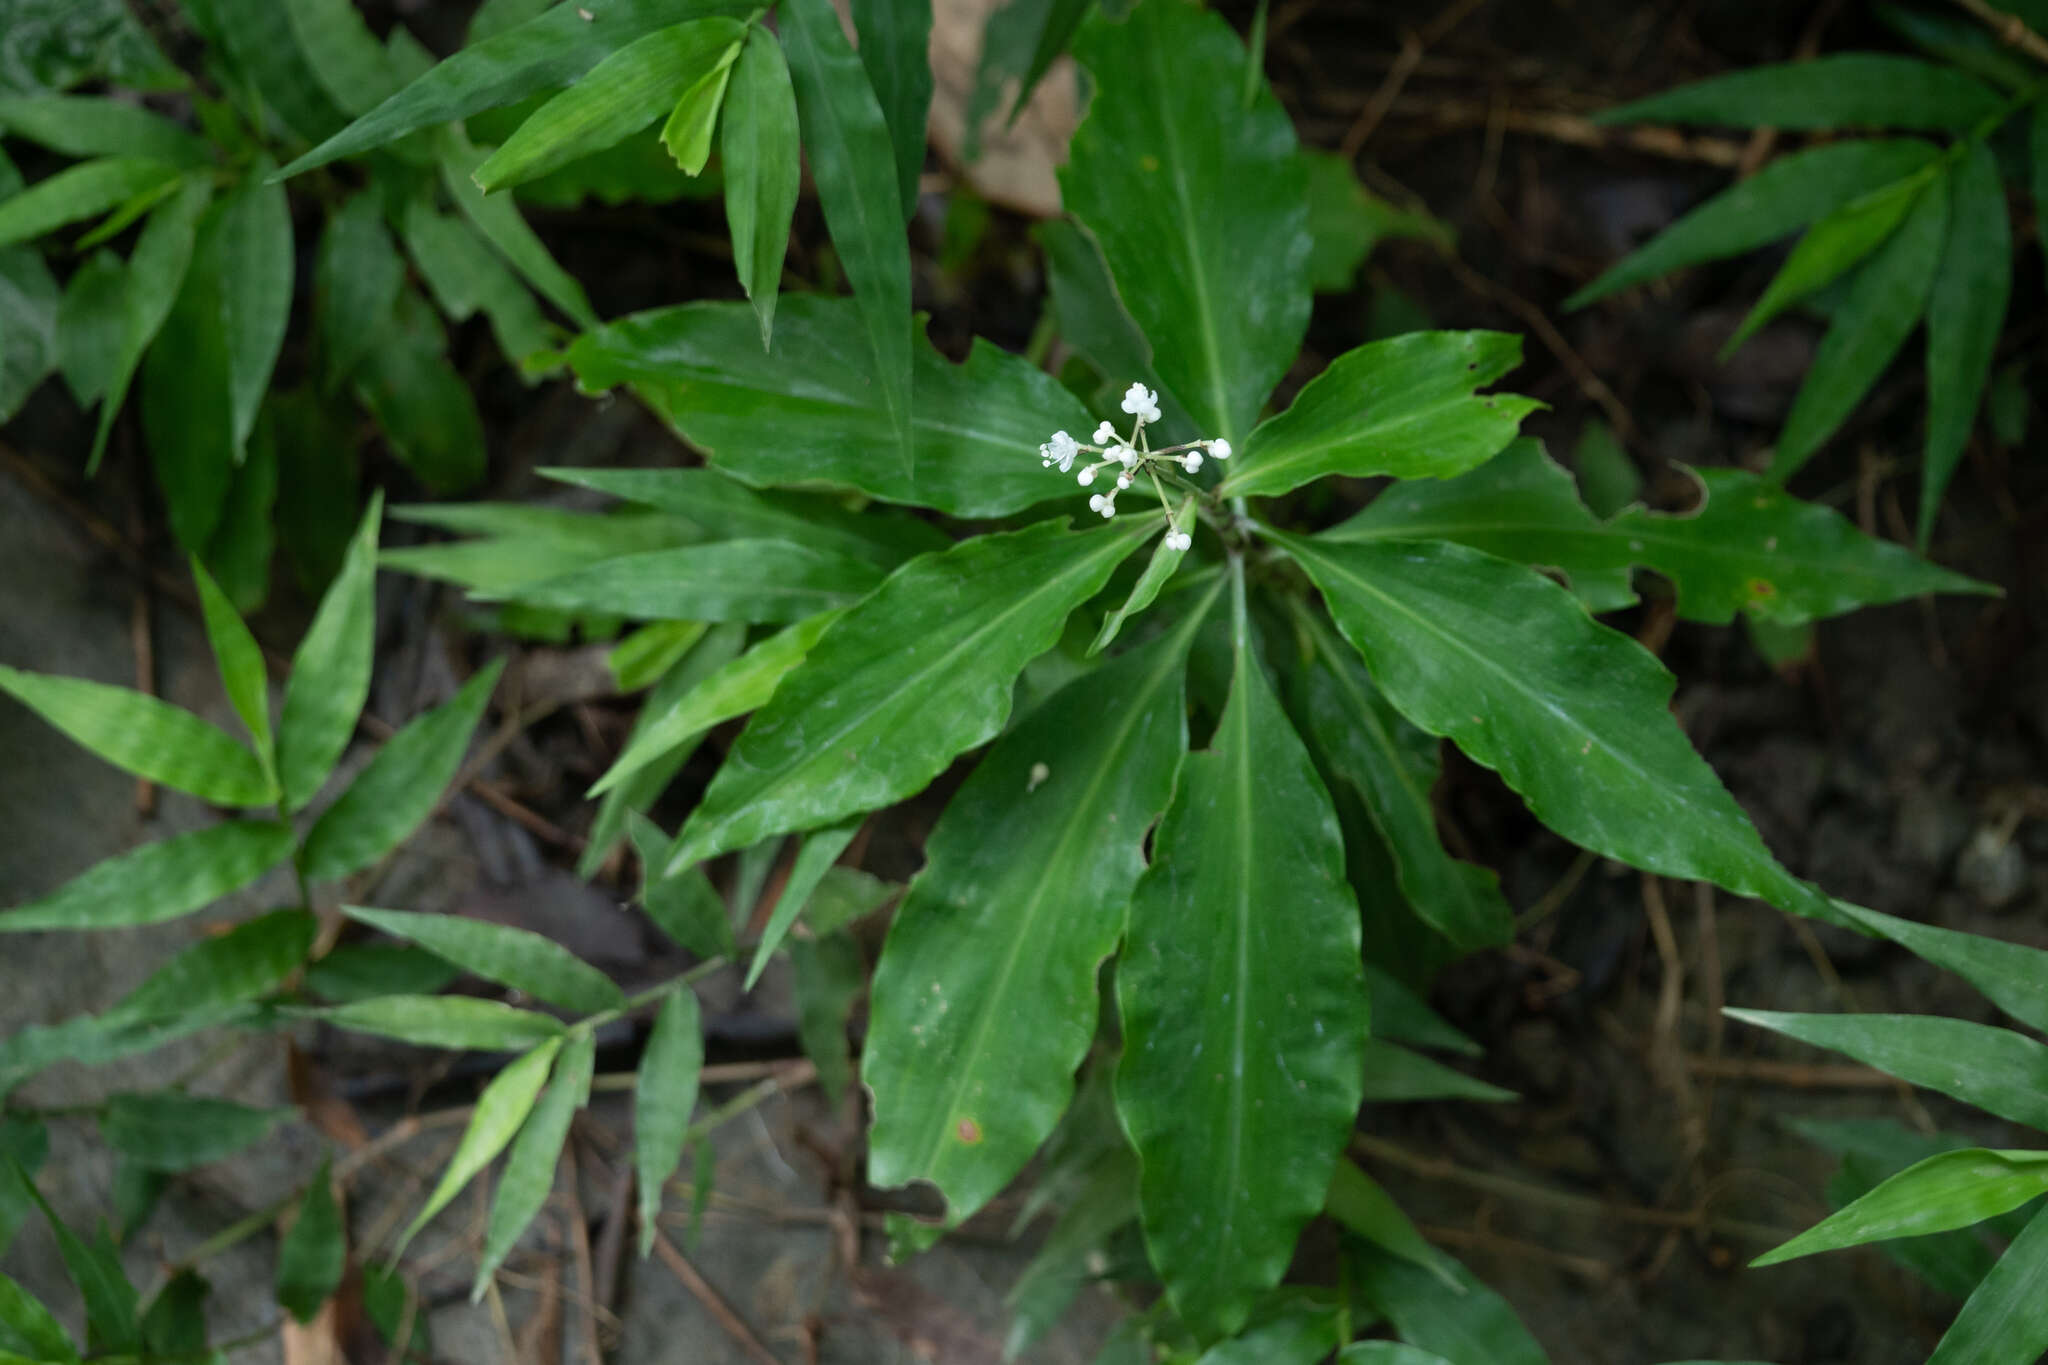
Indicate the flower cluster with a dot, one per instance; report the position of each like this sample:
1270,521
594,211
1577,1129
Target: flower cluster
1129,456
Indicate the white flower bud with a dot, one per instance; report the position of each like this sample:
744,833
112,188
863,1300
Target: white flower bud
1178,540
1191,461
1123,481
1086,476
1129,457
1219,448
1104,434
1095,502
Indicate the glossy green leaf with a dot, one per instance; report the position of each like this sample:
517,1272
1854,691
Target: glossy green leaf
500,1112
518,958
186,381
393,796
156,276
917,673
363,971
330,677
1789,193
1361,1205
1831,246
1387,1353
1871,89
2014,976
525,544
81,191
346,58
1400,1015
985,996
1300,1333
255,243
2007,1318
617,98
257,35
734,580
846,140
1199,203
895,40
356,276
1575,717
150,738
160,881
664,1093
499,221
163,1130
1094,321
683,905
1465,1323
1965,317
1394,1075
426,409
530,1169
1165,560
1395,768
1992,1068
95,1267
1882,308
1952,1190
551,50
686,134
314,1252
808,413
28,1330
759,150
445,1021
1244,1026
829,976
651,652
814,859
83,126
464,274
240,661
1406,407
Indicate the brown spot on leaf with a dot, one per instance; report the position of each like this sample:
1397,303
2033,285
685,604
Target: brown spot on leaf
969,1131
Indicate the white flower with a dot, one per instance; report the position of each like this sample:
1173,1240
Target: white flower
1086,476
1095,502
1191,461
1128,456
1178,540
1060,450
1123,481
1219,448
1141,403
1104,434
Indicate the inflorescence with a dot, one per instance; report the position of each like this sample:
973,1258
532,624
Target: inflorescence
1130,454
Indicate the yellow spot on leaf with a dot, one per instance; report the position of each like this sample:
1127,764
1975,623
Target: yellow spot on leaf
969,1131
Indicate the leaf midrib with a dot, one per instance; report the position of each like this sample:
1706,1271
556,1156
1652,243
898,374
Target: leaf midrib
1345,437
1188,214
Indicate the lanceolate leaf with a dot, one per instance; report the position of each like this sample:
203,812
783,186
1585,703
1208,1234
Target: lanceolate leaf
1953,1190
257,261
1965,316
1867,88
84,127
26,1325
500,1111
240,662
530,1169
2013,976
330,678
1161,567
895,41
247,961
449,1021
759,150
664,1093
91,322
80,191
830,975
1394,1075
915,674
1992,1068
1360,1205
148,737
258,36
399,789
1200,205
160,881
684,906
1787,194
95,1267
809,413
425,407
33,343
854,164
1834,244
186,386
686,135
356,277
1465,1323
156,274
314,1253
1244,1012
1092,316
2007,1318
465,275
1573,716
734,580
985,995
346,58
1882,309
820,850
1404,407
166,1131
518,958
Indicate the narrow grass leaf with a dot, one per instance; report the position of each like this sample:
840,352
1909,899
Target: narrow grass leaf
240,662
829,975
314,1252
1952,1190
255,238
733,580
330,677
821,848
444,1021
1165,560
1361,1205
2007,1318
687,131
80,191
683,905
664,1094
497,218
137,732
346,58
1465,1323
160,881
518,958
500,1111
2012,975
356,276
1395,1075
1831,246
530,1169
1965,317
1399,1015
895,40
761,155
156,275
90,126
29,1328
1871,89
111,1323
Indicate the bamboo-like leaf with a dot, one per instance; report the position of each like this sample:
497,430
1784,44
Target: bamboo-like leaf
1400,1015
425,407
1872,89
518,958
530,1169
465,274
391,797
1360,1205
1834,244
683,905
240,662
1244,1026
363,971
1405,407
255,243
1992,1068
26,1326
1965,317
1575,717
686,134
1394,1075
1387,1353
1465,1323
500,1112
664,1093
248,961
447,1021
1199,203
915,674
1952,1190
499,221
356,277
150,738
91,322
847,141
2013,976
346,58
186,381
985,996
2007,1318
1165,560
733,580
85,126
257,35
160,881
80,191
895,41
111,1324
162,1130
314,1252
759,149
156,275
330,678
820,850
830,975
1882,309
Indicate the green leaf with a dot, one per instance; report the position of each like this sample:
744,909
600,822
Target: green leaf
1387,1353
1394,1075
186,383
1360,1205
465,274
1092,317
95,1267
1992,1068
1952,1190
363,971
1298,1334
808,411
686,134
1200,205
347,60
1244,1030
1146,590
651,652
1465,1323
1100,1208
500,1111
356,277
985,996
160,881
258,258
814,859
156,276
314,1252
1834,244
895,40
2007,1318
24,1143
330,677
150,738
445,1021
1871,89
1400,1015
527,544
162,1130
734,580
854,166
425,407
1575,717
518,958
1404,407
499,221
1395,768
175,1322
1788,194
684,905
1882,309
1021,41
400,788
1346,221
82,126
759,150
395,1308
664,1093
33,341
617,98
915,674
1965,316
2014,976
80,191
493,17
829,977
530,1169
258,37
240,661
30,1329
250,960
